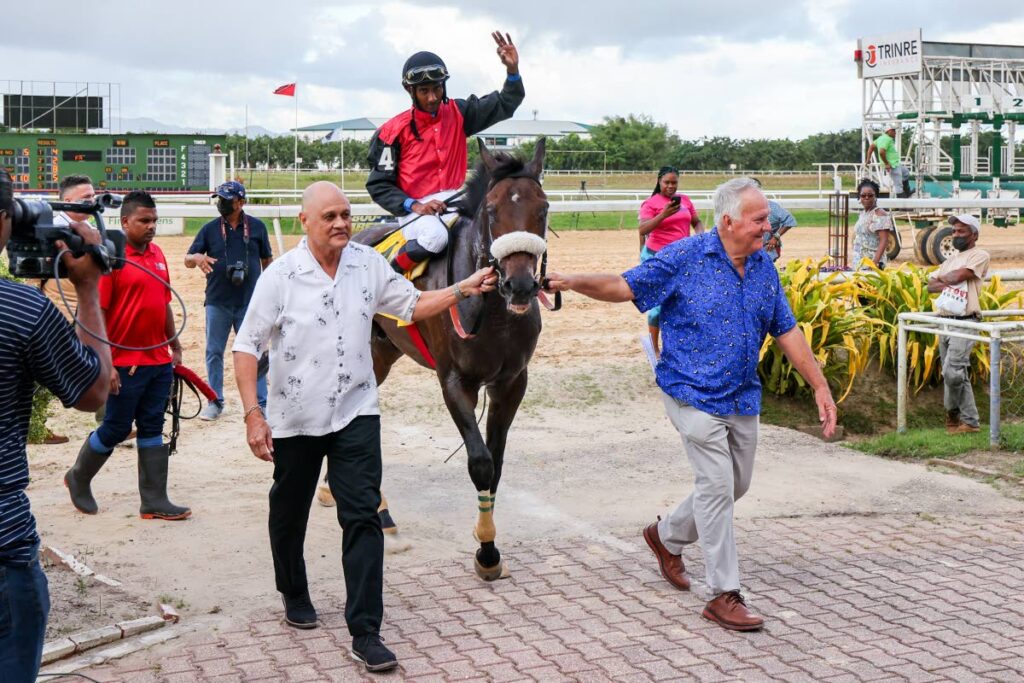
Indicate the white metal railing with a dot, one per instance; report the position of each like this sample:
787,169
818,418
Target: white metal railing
990,331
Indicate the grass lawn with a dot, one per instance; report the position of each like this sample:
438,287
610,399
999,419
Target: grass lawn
936,443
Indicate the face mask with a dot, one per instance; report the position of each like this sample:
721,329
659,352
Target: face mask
960,244
225,207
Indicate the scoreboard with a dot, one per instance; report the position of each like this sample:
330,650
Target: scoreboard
37,162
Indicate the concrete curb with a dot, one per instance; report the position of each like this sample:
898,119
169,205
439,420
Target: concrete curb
121,649
77,643
68,561
971,469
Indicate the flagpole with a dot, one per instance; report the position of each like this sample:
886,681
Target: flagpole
295,162
342,141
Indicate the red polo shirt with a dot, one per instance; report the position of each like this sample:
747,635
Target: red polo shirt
135,306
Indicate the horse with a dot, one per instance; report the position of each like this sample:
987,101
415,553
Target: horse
503,222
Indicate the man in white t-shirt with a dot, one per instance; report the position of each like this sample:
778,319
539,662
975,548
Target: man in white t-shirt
73,188
962,274
314,307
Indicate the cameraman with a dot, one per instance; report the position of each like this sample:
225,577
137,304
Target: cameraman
37,345
232,251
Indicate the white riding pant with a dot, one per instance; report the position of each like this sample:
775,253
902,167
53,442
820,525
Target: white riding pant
430,232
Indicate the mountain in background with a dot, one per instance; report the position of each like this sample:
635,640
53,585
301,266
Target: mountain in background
148,125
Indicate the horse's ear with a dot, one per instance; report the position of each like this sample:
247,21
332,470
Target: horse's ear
536,166
486,156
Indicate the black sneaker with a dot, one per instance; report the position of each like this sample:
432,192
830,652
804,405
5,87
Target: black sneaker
371,652
299,611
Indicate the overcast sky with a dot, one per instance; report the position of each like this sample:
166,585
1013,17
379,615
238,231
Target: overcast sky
725,67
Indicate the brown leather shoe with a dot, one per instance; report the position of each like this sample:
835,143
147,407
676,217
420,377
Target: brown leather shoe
962,428
671,565
728,610
52,439
952,418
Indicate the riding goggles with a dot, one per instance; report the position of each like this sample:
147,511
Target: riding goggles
434,73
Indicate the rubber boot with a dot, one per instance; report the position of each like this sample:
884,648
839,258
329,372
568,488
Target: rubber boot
153,485
80,476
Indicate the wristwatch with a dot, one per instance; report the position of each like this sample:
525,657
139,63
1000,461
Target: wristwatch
457,291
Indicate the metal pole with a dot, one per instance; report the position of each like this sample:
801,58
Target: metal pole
342,143
295,161
901,380
994,398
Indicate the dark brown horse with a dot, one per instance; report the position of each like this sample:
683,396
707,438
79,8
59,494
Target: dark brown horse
504,221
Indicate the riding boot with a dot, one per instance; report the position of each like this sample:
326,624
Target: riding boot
409,256
78,478
153,485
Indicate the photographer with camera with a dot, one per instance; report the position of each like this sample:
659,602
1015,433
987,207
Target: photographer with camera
137,308
232,251
37,345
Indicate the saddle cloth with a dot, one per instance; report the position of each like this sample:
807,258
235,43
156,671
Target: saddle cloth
394,241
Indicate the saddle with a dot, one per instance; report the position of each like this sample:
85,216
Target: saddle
387,239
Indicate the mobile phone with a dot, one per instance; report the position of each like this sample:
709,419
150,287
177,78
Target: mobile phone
675,200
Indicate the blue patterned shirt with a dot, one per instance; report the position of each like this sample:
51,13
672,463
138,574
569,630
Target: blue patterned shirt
713,322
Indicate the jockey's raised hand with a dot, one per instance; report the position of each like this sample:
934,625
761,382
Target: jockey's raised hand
507,52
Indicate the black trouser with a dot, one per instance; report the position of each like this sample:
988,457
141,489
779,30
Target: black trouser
353,472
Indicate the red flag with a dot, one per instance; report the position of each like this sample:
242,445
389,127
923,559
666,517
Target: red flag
288,90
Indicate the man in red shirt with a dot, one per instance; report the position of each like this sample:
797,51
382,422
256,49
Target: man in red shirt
418,158
137,309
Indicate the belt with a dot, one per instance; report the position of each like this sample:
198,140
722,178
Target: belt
973,316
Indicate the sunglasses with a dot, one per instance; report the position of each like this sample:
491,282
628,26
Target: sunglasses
434,73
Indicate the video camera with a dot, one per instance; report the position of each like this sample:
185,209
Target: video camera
32,247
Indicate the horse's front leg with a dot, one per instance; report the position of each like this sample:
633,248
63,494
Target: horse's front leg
461,398
505,399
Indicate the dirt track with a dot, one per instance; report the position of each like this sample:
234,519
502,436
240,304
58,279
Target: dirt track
590,453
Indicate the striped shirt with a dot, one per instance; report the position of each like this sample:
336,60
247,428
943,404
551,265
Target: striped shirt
36,345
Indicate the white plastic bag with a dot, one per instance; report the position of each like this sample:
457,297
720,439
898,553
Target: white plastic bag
953,300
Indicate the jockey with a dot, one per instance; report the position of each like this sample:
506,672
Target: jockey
418,158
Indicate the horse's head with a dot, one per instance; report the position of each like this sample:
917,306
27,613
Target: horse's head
514,216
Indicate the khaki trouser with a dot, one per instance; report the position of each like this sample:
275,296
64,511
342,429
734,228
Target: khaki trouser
957,392
721,451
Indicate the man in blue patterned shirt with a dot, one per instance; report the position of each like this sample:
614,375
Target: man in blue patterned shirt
720,296
37,346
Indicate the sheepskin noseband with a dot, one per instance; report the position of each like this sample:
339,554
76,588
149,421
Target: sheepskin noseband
518,241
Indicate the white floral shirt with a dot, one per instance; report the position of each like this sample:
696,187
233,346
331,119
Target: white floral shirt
318,332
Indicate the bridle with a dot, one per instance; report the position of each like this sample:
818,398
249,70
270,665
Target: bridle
495,262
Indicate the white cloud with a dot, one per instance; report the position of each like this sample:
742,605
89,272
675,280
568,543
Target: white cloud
742,68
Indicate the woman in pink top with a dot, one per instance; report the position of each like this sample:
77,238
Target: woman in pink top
664,218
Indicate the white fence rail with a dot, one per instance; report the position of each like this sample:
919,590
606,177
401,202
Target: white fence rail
990,331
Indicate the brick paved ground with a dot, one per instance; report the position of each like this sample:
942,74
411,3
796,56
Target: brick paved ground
849,599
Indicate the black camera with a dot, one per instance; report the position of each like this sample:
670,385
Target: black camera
33,249
237,272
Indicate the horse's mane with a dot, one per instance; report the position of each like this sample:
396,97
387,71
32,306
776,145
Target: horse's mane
476,187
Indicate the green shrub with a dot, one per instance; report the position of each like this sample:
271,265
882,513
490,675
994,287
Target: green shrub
847,324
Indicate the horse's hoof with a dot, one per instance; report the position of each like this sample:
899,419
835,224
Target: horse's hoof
499,571
324,497
393,544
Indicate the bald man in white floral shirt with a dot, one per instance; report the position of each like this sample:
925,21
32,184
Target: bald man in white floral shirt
314,307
